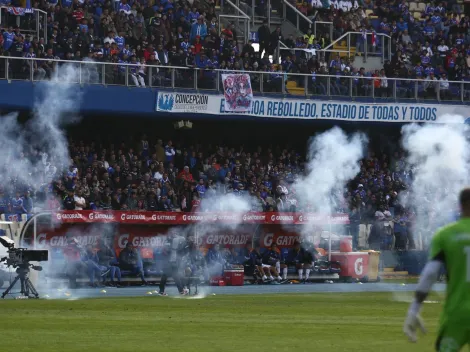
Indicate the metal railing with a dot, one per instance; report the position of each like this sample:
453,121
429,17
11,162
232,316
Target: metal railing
320,26
286,4
307,85
365,47
239,15
38,26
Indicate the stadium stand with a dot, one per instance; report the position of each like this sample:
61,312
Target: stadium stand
155,175
421,51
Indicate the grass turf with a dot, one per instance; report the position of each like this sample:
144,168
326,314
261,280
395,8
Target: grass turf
278,322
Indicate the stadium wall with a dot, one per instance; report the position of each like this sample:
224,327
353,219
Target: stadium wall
98,99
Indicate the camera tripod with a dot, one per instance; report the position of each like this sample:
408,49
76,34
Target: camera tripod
27,287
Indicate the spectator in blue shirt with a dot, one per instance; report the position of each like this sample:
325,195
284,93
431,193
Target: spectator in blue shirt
201,188
28,203
169,152
429,30
17,205
120,41
4,203
198,29
8,38
402,25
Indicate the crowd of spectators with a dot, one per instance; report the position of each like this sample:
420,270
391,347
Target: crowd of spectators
156,175
429,42
140,33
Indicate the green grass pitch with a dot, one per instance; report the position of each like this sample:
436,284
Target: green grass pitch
258,323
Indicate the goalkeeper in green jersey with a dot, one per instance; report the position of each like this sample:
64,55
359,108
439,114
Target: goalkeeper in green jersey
450,249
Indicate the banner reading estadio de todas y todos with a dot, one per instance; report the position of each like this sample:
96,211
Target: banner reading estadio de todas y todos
215,104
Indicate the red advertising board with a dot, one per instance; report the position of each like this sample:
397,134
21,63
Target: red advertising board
285,237
150,237
353,264
146,230
179,218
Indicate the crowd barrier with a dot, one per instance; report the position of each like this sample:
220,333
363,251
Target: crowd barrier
177,78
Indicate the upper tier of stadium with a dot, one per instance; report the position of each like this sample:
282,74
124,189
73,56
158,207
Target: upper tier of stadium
371,49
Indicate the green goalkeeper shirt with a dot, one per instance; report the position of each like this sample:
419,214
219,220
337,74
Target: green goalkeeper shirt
451,246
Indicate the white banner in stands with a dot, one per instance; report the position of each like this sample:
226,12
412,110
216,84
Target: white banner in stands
214,104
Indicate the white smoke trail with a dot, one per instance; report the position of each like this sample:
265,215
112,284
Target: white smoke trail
229,204
439,158
333,160
34,153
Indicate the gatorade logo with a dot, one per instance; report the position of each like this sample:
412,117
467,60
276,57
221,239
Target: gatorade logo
358,266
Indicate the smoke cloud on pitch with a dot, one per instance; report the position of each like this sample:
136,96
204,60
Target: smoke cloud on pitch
438,155
332,161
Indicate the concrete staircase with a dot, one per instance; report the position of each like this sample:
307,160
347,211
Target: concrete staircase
343,46
294,89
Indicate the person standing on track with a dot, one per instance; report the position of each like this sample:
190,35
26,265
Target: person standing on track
175,246
450,250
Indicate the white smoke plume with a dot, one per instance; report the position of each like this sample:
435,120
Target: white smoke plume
231,205
36,152
332,161
438,156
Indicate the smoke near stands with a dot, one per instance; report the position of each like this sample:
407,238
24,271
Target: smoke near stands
232,207
35,152
332,161
439,159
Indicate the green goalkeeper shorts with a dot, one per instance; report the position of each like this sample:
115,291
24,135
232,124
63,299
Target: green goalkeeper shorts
453,338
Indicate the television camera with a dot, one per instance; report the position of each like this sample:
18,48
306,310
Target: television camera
20,259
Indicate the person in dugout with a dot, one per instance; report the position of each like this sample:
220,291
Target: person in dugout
254,263
301,259
233,257
94,268
272,262
73,258
107,258
129,259
215,261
